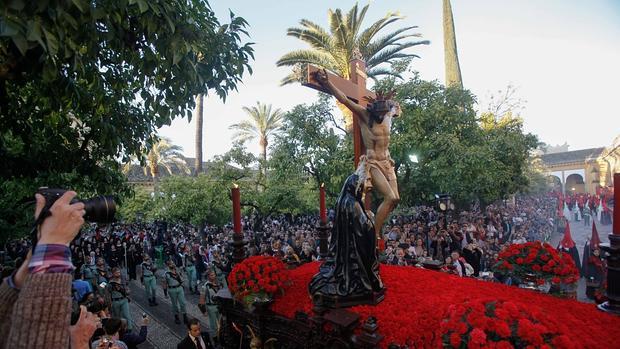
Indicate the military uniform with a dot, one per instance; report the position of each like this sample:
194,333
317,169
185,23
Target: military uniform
89,274
149,280
101,279
190,270
174,285
207,293
119,299
218,268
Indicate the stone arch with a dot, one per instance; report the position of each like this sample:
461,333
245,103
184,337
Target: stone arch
575,183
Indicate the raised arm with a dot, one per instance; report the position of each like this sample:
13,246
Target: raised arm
323,78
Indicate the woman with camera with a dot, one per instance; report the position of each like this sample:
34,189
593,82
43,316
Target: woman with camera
35,302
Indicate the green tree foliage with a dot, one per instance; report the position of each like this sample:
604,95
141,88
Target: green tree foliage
313,147
463,155
86,83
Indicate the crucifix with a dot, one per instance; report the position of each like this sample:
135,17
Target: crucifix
354,89
372,120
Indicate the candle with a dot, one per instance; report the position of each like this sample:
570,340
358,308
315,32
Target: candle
236,198
322,205
616,226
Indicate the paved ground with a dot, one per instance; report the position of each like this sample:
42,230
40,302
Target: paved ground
581,234
162,331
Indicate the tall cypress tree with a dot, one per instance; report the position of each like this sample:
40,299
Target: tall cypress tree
451,58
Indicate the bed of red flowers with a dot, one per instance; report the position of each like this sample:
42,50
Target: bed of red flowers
540,260
417,301
259,277
503,325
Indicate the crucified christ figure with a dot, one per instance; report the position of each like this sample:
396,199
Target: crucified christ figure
376,165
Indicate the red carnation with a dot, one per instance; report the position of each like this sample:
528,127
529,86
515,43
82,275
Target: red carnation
478,337
536,267
455,340
504,345
519,260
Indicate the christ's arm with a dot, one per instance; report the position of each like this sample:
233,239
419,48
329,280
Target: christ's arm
322,77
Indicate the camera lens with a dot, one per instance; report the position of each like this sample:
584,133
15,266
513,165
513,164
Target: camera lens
100,209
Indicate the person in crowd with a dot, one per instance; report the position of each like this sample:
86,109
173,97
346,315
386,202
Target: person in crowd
111,339
189,261
195,339
473,255
290,257
133,339
118,294
148,279
207,304
38,293
173,286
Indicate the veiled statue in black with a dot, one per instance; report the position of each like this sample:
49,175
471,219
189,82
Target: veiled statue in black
350,273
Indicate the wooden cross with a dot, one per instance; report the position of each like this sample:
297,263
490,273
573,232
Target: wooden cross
354,89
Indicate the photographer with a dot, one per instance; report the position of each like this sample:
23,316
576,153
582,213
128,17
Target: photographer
35,302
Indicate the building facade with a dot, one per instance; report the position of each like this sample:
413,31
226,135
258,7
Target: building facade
585,170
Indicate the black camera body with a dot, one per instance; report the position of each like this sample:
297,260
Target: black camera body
99,209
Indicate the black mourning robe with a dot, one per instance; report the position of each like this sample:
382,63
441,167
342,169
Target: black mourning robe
352,267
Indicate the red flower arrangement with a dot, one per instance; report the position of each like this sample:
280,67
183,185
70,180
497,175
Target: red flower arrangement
418,300
259,277
541,260
499,324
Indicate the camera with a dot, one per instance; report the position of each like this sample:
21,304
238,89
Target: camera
100,209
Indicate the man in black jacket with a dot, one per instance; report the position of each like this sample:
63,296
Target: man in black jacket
133,339
195,339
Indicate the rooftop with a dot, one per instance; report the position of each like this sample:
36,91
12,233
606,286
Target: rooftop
567,157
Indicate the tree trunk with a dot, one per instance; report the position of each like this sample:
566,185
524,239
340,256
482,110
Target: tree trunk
263,145
199,121
451,58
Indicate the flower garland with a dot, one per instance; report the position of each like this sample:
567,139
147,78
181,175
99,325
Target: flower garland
540,260
418,300
259,277
499,324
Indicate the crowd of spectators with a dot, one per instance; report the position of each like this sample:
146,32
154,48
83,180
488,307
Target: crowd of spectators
465,243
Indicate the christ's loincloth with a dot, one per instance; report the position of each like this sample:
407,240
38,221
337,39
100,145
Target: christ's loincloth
386,167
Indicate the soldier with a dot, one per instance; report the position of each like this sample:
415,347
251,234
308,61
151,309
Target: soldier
102,276
190,269
148,279
207,304
88,272
173,285
219,266
119,297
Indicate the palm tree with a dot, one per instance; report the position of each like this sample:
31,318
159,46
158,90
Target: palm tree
263,123
334,50
162,155
451,57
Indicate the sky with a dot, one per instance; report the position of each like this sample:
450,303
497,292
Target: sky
563,56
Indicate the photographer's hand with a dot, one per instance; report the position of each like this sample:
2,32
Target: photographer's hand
65,220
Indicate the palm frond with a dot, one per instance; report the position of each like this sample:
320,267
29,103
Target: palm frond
378,71
319,58
355,25
366,36
379,44
391,53
319,40
338,29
